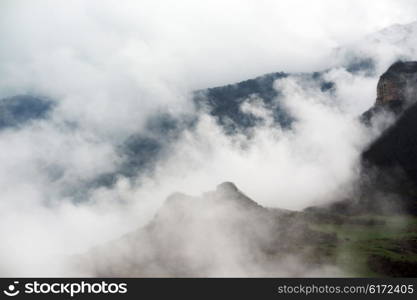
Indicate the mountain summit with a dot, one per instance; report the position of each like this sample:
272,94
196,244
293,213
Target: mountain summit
397,83
396,90
391,160
221,233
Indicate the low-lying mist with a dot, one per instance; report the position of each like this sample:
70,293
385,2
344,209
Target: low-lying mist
314,161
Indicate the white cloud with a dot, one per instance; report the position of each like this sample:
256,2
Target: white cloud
110,64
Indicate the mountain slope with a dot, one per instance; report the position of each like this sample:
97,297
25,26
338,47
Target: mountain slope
391,160
221,233
225,233
225,102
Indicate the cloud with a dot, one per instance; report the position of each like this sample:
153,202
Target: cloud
110,66
273,163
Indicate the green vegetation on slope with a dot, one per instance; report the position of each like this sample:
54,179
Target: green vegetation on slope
372,245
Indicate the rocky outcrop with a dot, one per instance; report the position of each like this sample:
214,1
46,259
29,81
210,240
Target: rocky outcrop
390,162
396,90
398,83
397,146
388,183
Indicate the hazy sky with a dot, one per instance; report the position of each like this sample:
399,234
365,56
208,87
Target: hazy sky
194,44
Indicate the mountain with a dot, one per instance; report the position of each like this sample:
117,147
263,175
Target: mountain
388,181
397,83
395,90
21,109
391,160
224,103
226,233
140,151
221,233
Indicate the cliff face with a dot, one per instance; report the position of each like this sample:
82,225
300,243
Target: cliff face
395,90
388,184
395,83
391,160
397,146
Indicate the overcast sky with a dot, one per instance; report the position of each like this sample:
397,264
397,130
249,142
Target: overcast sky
196,44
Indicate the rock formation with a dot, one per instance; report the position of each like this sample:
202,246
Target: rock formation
396,90
397,83
391,160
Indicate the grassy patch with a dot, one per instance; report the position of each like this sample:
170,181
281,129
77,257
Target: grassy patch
368,238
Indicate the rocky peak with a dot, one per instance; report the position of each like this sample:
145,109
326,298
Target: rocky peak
226,199
396,90
395,83
227,188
